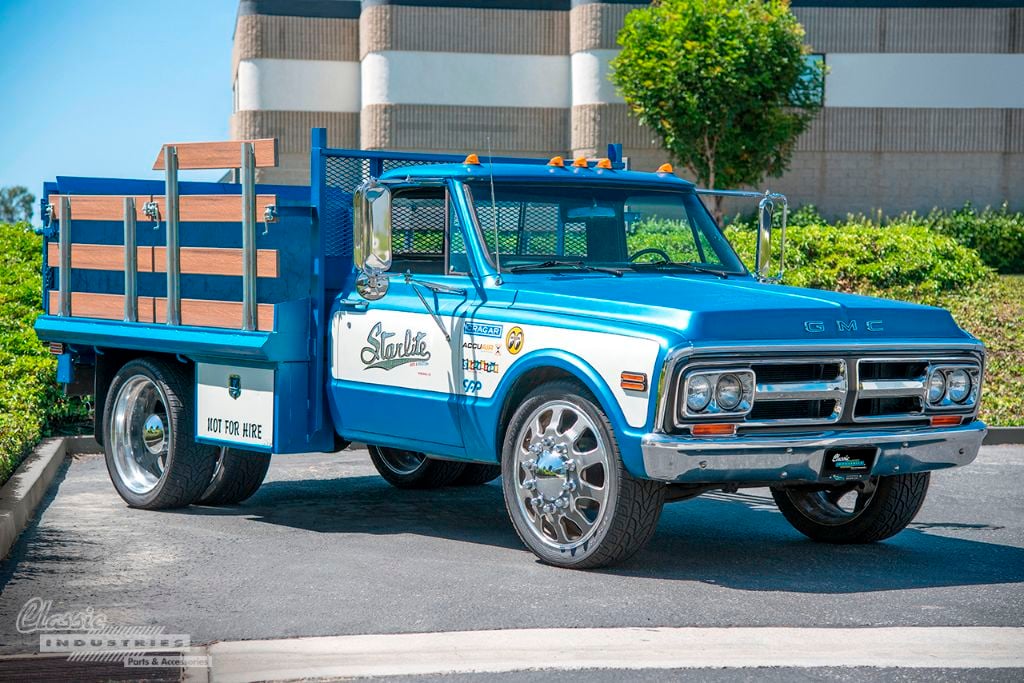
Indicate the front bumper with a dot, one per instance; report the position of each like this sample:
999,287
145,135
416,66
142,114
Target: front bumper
798,457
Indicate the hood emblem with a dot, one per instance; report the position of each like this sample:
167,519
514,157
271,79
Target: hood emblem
818,326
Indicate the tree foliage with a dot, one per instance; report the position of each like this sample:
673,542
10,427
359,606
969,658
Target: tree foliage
16,204
723,83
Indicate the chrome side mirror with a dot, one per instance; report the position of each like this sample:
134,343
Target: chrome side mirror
763,252
371,239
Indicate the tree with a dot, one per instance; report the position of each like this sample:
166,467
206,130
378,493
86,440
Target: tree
723,83
16,204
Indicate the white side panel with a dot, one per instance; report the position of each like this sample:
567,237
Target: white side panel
298,85
407,350
235,404
925,80
590,81
463,79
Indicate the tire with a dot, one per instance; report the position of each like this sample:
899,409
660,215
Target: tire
236,476
883,509
560,450
411,470
152,457
477,474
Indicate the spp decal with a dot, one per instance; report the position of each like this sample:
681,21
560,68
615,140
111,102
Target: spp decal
472,386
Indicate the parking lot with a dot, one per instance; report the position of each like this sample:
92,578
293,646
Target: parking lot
326,547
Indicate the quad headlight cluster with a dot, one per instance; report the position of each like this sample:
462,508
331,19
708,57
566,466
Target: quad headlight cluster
952,386
718,393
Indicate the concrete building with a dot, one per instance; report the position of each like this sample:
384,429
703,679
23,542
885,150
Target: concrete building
924,102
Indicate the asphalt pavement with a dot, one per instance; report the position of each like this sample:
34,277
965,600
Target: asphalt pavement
326,547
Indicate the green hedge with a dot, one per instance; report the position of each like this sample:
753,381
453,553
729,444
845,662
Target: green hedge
996,234
31,403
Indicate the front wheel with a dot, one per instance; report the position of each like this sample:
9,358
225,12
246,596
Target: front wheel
570,498
864,512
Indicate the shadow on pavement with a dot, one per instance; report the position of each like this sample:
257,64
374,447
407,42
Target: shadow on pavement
736,540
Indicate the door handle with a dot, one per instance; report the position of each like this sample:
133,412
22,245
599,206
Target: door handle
355,305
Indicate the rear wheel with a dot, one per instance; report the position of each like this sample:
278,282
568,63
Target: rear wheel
152,457
857,513
236,476
411,470
570,498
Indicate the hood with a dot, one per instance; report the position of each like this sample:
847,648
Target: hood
705,308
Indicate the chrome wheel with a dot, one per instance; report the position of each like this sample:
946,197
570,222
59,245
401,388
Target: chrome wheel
834,506
140,434
401,462
562,473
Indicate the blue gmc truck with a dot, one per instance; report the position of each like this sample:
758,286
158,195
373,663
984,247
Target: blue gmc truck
582,331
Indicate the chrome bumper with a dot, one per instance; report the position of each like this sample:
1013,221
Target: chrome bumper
792,457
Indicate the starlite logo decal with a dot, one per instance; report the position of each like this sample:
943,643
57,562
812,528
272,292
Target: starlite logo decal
482,330
387,355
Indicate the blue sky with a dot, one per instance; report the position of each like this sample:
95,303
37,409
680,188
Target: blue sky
94,87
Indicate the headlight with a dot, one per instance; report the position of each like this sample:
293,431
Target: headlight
958,384
698,393
729,392
936,386
726,392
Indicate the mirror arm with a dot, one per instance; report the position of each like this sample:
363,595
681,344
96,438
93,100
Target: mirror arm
436,288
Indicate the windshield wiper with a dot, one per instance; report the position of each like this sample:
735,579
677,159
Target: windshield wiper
579,265
692,267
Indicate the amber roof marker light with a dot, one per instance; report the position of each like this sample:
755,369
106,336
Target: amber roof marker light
472,160
580,162
557,161
665,168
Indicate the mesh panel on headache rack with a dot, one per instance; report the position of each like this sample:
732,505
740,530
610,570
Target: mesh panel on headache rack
341,178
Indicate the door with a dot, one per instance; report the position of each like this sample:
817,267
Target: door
396,362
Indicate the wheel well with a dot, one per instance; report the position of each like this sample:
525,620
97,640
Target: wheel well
527,383
108,363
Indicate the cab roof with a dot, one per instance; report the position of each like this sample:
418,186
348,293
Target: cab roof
539,173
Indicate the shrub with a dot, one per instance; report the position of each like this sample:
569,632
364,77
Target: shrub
31,403
996,234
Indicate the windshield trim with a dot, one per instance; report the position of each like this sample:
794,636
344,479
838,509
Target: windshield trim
688,190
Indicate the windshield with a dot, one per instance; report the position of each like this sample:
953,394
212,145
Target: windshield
597,228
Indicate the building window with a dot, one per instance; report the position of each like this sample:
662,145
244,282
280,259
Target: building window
811,88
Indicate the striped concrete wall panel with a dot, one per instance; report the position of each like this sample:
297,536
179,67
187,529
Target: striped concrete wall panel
291,128
492,31
846,29
261,36
516,130
596,26
852,129
595,125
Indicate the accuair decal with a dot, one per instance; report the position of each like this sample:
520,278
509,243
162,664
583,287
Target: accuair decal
514,340
385,355
482,330
486,347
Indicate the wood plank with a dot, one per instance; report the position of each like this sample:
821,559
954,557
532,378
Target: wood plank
206,208
216,261
205,313
103,306
197,155
99,257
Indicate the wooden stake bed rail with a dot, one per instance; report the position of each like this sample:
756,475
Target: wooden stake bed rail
192,208
215,155
198,312
194,260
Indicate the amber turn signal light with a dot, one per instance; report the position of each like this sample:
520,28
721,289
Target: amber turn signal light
633,381
714,430
946,420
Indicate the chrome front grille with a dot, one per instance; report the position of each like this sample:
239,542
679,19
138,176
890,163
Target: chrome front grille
851,390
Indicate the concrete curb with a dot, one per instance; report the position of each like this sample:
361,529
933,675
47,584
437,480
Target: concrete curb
999,436
27,487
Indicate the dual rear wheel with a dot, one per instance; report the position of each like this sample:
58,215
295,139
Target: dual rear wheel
151,453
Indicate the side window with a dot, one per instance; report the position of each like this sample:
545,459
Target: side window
419,231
